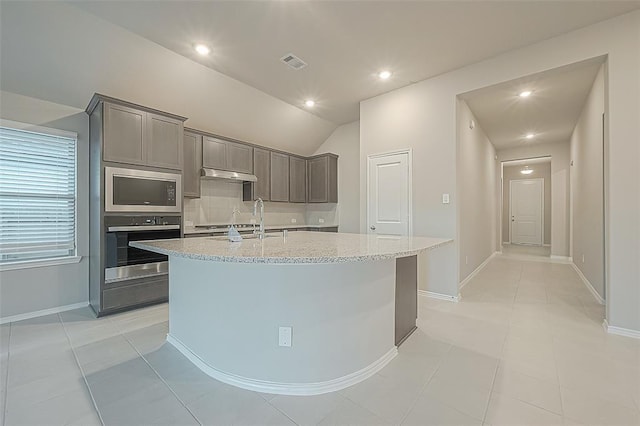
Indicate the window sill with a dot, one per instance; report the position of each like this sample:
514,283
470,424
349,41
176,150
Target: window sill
28,264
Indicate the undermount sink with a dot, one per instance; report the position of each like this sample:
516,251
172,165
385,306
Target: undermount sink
247,237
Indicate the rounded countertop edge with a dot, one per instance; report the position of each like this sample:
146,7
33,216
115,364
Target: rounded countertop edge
288,260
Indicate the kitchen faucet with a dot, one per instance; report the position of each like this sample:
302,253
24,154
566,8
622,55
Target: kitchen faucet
259,234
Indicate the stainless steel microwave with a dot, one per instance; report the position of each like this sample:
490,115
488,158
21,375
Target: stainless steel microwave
131,190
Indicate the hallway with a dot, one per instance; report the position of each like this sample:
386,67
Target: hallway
540,329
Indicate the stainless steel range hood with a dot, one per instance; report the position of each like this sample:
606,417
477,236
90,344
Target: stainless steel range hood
223,174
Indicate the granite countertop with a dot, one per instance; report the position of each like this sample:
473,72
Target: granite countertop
223,228
297,247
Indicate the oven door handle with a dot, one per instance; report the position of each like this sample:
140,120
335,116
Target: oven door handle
142,228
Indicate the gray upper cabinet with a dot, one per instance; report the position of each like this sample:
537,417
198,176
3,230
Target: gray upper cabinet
224,155
192,158
262,170
239,157
214,153
297,180
163,145
323,179
124,134
133,134
279,177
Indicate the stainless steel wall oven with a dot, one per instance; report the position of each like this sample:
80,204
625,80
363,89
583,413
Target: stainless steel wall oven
133,276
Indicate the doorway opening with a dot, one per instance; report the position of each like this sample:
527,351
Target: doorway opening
526,207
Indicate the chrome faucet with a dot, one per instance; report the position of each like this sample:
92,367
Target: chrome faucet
260,233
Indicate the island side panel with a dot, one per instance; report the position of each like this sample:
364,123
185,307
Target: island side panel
229,314
406,297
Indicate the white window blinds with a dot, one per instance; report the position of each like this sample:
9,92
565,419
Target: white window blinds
37,195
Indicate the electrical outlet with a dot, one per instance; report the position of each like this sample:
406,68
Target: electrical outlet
284,336
582,257
321,220
294,220
445,198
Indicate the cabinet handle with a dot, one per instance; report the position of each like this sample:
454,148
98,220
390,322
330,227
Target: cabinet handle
372,227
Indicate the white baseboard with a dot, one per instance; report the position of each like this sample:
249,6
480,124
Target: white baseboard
560,259
627,332
285,388
587,284
439,296
43,312
477,270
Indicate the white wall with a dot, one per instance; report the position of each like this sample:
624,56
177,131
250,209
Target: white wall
34,289
345,142
422,117
559,153
477,195
57,52
587,187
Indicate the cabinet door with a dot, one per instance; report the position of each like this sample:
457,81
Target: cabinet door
192,164
239,158
262,170
124,133
214,153
163,144
297,180
279,177
318,182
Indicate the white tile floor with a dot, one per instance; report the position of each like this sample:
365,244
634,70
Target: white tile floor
522,249
524,346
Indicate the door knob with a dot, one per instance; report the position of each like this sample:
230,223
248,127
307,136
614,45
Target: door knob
372,227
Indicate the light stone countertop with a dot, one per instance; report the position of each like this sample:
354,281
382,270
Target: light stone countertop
297,247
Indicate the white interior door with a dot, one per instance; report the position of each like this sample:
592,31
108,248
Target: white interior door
526,207
388,194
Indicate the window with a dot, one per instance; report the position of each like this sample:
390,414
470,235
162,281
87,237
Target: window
37,193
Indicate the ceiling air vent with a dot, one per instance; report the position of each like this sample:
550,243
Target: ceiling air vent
293,61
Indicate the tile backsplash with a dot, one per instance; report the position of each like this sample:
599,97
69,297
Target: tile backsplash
219,199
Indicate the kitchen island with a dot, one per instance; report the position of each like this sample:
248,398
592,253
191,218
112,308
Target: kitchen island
298,314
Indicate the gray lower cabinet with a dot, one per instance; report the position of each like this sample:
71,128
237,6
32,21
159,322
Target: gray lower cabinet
192,157
225,155
163,145
124,134
279,177
323,179
262,169
135,136
297,180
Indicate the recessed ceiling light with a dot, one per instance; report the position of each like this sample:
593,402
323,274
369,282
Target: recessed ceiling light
529,136
384,75
310,103
202,49
525,94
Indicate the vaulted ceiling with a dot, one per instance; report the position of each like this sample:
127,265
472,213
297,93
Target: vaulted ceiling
346,43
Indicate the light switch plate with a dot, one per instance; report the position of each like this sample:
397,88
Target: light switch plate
445,198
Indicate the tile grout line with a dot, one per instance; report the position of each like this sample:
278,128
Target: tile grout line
504,342
162,380
424,387
84,377
285,414
6,385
